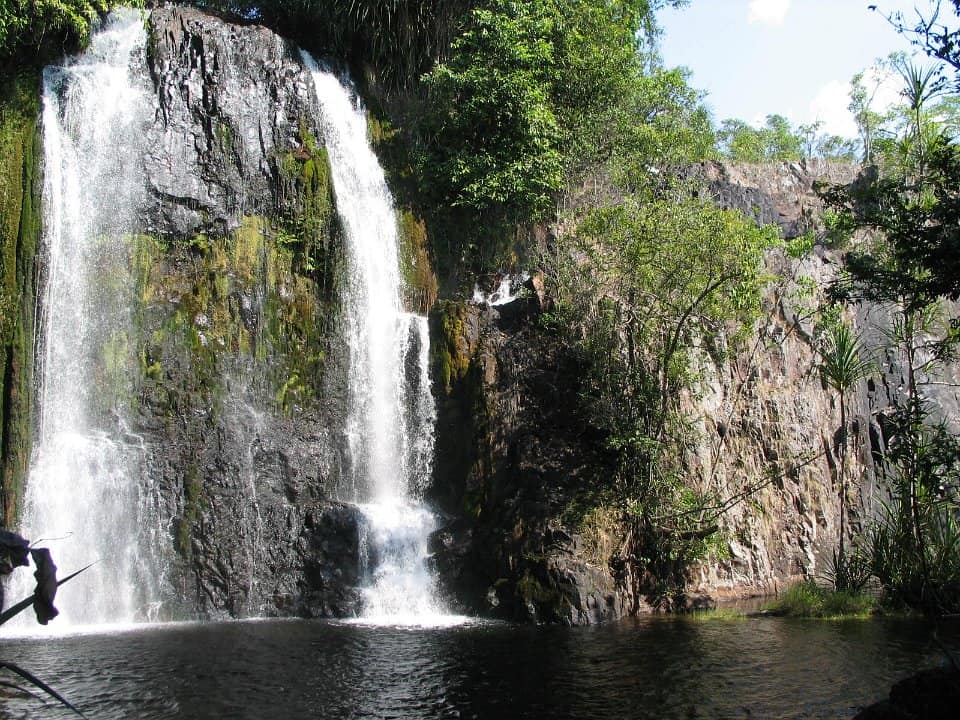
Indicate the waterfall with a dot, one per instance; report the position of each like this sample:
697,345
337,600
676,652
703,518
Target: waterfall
389,431
86,496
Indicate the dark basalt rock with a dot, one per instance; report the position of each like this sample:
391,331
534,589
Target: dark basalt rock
932,694
231,99
510,455
240,392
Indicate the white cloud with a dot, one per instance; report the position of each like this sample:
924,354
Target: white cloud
831,103
768,12
830,106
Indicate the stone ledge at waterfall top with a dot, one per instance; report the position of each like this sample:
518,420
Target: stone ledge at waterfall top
231,100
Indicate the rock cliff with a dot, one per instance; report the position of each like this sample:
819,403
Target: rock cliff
19,271
513,453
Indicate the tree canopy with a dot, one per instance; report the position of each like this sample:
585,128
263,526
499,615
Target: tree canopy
41,27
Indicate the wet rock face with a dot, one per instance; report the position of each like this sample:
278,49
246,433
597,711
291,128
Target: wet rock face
231,100
510,454
240,390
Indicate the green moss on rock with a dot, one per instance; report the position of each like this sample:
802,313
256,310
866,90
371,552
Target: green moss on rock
20,208
241,302
542,599
450,350
419,280
309,225
192,499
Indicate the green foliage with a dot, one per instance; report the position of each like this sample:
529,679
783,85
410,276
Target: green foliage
807,599
716,615
497,141
912,212
655,275
658,121
309,223
533,91
931,32
917,256
850,572
841,366
35,28
779,141
399,39
915,547
863,89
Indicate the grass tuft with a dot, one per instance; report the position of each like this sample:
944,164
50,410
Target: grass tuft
807,599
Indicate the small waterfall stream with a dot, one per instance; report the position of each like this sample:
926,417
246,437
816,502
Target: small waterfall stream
86,496
390,425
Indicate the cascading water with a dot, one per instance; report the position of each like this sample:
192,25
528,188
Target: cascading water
85,496
390,424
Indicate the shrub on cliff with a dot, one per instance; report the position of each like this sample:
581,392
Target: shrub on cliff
910,266
644,284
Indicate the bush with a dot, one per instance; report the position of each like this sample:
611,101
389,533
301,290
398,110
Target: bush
807,599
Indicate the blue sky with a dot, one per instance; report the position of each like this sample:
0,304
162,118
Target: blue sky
792,57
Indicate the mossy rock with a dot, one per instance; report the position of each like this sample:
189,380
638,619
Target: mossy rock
217,303
451,349
541,599
419,280
20,227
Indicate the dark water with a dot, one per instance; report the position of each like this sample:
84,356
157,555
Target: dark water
653,668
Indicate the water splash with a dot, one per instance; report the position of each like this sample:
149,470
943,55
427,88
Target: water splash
390,425
85,476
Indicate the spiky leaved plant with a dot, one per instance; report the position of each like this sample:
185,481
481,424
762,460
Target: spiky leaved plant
841,367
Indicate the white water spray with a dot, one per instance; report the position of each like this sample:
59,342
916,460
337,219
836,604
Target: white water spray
84,493
390,424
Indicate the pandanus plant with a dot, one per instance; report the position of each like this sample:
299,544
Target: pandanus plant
841,367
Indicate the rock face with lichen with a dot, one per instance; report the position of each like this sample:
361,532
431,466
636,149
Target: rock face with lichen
514,455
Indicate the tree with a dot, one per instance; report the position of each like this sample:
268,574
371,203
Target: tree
531,90
863,90
912,263
920,86
39,27
781,140
809,134
929,30
739,141
398,39
775,141
841,369
494,140
917,259
647,279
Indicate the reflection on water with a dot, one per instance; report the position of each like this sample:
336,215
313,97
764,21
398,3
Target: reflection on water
650,668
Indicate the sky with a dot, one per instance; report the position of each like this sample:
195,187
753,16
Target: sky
792,57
